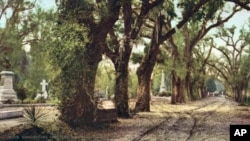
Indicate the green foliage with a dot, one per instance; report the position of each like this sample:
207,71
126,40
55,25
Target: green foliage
28,101
210,84
21,94
17,27
40,23
165,94
69,46
166,8
132,84
22,43
234,63
66,52
179,68
244,67
207,11
75,52
76,7
156,85
105,77
54,101
170,9
219,85
247,101
40,100
136,57
83,11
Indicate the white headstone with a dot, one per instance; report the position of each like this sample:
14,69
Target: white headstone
44,91
163,83
6,89
44,84
107,93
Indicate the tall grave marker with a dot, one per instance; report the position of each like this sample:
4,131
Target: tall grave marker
6,87
163,83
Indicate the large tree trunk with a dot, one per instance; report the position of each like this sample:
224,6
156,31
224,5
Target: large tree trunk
143,88
79,108
188,86
120,58
144,72
202,89
181,95
239,94
178,89
121,85
121,65
174,87
121,91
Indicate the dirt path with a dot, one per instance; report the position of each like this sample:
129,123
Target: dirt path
205,120
185,125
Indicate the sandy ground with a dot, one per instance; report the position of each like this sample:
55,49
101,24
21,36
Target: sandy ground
205,120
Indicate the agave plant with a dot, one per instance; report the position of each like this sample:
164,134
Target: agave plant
34,114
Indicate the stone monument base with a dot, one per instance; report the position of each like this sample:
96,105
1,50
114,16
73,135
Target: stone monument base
6,95
7,92
106,111
11,114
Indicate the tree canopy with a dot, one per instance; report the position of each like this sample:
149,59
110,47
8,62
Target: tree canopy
67,46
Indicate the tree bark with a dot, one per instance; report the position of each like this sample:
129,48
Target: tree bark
79,109
143,95
179,94
121,90
143,88
145,70
120,55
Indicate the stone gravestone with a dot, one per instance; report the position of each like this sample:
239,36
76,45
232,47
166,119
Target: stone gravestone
106,111
6,87
44,93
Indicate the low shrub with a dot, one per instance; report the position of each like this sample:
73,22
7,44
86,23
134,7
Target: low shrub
165,94
28,101
40,100
21,94
9,101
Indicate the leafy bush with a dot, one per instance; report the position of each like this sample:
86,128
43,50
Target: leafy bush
21,94
210,84
28,101
165,94
40,100
54,101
